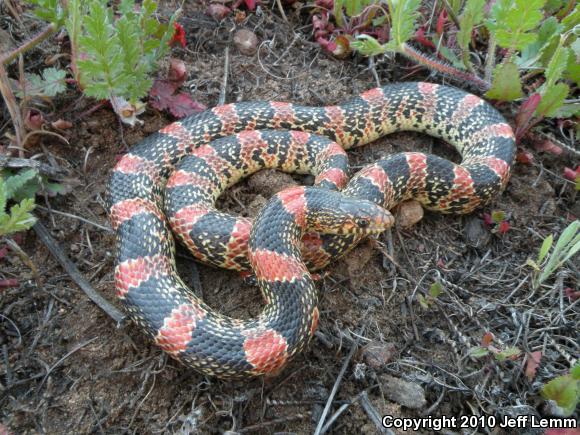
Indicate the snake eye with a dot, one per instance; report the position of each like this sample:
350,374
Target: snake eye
363,222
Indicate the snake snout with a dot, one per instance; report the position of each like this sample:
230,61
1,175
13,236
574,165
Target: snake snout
382,220
366,217
373,219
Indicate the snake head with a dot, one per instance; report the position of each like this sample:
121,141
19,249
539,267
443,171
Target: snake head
335,213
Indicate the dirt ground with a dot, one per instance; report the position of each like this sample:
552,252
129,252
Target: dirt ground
67,368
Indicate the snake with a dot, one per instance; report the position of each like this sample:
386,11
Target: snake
176,318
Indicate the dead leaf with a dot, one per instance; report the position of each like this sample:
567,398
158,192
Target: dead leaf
163,97
532,364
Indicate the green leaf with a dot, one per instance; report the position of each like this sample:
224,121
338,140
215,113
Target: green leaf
54,81
455,5
568,245
127,7
423,302
352,7
15,183
568,236
451,57
404,14
552,100
549,28
49,10
478,352
513,21
498,216
56,188
573,246
436,289
564,391
506,84
553,5
119,54
151,26
149,6
471,16
367,45
508,353
575,371
19,218
530,55
51,83
557,64
572,19
337,12
3,197
572,71
532,264
168,31
546,245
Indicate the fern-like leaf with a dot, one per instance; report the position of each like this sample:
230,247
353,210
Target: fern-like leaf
19,218
552,99
49,10
513,22
3,197
471,16
403,15
15,183
557,64
102,69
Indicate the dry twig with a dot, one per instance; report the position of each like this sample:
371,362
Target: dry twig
76,276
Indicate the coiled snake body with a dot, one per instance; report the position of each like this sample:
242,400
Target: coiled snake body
145,275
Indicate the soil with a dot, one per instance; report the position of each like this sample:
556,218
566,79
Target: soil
66,367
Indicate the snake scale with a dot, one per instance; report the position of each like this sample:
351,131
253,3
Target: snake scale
289,137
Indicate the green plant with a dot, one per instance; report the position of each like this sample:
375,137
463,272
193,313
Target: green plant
547,263
352,18
497,222
20,188
115,51
118,55
12,188
49,83
403,16
487,348
536,43
564,391
434,291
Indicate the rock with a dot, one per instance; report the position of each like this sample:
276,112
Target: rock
403,392
475,233
256,205
376,354
246,41
356,262
515,411
6,43
269,182
408,214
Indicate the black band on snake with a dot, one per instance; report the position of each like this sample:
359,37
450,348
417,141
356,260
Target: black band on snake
145,275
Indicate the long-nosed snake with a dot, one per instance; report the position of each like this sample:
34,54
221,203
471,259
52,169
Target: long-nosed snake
145,274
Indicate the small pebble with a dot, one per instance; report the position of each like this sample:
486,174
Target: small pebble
408,214
403,392
475,233
246,42
377,354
